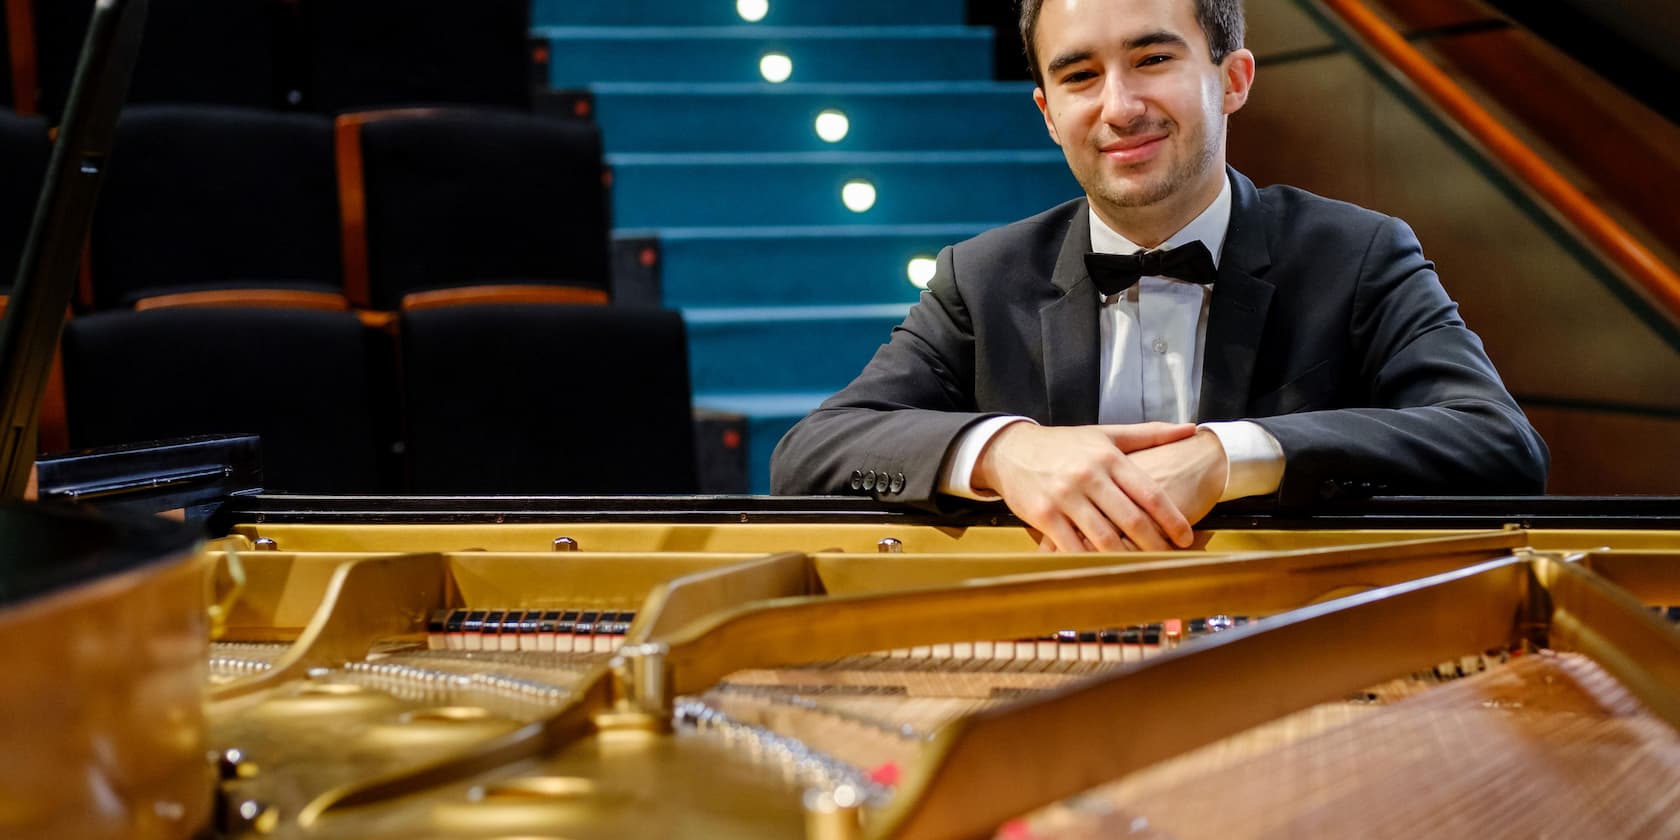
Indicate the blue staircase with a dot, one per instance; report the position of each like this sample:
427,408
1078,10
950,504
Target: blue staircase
788,278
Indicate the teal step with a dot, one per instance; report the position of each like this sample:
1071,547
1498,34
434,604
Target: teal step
769,416
772,348
724,13
796,266
902,116
805,188
579,56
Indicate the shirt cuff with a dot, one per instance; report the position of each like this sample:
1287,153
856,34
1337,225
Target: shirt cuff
957,479
1255,458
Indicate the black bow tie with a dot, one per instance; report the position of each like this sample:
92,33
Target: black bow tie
1115,273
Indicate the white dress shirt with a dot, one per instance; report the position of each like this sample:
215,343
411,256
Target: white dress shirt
1152,340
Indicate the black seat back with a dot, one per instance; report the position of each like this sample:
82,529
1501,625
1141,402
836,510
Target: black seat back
211,197
467,197
388,53
547,399
301,379
226,52
24,150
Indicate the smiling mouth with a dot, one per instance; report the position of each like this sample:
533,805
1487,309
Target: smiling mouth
1133,149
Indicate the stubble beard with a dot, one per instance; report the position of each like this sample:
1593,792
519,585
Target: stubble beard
1182,173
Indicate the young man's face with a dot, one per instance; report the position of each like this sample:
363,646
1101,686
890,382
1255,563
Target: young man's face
1132,96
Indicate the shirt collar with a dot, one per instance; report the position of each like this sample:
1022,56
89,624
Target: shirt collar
1210,227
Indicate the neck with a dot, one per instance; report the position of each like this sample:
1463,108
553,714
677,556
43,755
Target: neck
1150,225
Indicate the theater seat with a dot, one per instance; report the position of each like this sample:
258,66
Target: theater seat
547,399
211,198
226,52
387,53
444,199
24,151
303,380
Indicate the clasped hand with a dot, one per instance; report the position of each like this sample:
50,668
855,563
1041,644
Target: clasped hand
1107,488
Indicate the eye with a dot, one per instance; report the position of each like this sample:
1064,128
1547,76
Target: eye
1078,76
1158,58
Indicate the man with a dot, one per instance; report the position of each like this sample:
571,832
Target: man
1324,350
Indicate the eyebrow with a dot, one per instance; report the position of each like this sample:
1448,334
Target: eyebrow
1155,38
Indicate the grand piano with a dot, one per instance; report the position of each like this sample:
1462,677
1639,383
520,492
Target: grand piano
198,657
754,667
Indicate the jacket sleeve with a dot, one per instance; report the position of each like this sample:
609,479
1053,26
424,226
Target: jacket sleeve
888,432
1441,419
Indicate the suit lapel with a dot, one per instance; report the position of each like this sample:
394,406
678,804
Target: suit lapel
1068,327
1237,313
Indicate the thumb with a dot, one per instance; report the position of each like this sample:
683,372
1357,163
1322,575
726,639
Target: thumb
1135,436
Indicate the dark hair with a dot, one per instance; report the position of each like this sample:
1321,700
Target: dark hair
1221,20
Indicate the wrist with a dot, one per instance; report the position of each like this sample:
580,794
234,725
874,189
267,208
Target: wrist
1218,463
984,477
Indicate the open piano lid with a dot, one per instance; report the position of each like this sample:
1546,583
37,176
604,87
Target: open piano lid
46,277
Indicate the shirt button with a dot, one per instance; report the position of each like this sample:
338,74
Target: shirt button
857,479
897,484
869,480
1160,345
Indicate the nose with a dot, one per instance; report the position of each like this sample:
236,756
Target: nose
1121,104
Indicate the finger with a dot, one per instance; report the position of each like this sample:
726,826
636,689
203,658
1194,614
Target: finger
1134,436
1133,522
1146,494
1062,535
1096,527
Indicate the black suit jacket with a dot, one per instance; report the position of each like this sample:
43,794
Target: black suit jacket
1327,327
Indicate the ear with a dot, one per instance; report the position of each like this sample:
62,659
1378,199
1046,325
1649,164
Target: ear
1238,72
1044,109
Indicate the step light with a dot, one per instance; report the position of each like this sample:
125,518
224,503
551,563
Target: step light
921,271
775,67
752,11
858,195
832,125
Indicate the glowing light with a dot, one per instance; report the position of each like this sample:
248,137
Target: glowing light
858,195
832,125
752,11
921,270
775,67
847,796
